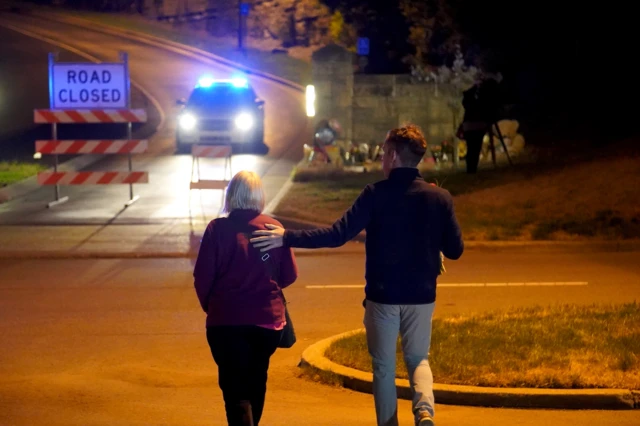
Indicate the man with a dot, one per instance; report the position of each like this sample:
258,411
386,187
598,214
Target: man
481,105
409,223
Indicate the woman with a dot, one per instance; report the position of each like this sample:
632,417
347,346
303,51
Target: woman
240,290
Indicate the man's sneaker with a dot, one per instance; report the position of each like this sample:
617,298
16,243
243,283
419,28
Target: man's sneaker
425,419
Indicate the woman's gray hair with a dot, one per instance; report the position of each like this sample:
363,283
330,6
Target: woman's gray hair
244,192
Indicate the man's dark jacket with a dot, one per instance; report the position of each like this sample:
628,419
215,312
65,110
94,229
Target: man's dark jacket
408,223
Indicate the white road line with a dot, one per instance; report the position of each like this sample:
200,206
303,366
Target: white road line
576,283
514,284
463,285
333,286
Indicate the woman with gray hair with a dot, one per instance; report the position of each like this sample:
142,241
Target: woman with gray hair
241,293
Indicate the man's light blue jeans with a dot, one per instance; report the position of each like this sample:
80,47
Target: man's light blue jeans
413,322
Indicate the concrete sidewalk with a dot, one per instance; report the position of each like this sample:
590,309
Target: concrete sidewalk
112,241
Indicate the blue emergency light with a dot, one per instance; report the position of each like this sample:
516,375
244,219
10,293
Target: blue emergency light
205,81
239,82
208,81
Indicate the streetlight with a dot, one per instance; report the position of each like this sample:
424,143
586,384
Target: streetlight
311,100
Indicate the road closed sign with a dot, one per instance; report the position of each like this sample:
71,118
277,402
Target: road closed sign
88,86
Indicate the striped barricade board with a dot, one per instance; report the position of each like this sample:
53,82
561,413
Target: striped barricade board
89,116
92,178
211,151
92,147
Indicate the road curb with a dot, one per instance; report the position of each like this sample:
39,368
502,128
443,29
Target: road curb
523,246
275,202
165,43
595,399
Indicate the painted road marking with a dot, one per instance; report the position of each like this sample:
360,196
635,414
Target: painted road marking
514,284
334,286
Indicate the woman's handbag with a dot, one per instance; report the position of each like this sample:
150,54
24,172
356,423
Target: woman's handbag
288,336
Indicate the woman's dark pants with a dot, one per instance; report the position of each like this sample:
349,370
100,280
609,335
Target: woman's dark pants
242,354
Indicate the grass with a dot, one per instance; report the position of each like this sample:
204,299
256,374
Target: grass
561,346
11,172
281,65
316,375
587,199
322,195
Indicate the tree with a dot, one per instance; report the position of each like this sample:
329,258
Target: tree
340,32
431,30
385,27
336,27
293,22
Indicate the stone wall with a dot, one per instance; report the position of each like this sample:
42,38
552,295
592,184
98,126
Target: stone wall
333,78
381,102
367,106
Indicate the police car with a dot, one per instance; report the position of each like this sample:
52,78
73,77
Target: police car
221,112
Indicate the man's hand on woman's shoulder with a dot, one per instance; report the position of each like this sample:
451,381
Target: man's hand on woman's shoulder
269,239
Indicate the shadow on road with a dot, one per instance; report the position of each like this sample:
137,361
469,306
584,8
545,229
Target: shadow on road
97,231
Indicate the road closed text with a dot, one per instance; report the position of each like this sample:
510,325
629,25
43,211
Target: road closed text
103,96
89,86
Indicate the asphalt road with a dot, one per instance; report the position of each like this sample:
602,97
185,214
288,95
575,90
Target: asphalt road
104,342
166,199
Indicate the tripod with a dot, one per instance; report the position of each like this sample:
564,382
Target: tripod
492,144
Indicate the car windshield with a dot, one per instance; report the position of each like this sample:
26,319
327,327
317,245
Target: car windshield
221,94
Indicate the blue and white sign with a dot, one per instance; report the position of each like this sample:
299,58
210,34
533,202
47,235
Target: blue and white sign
363,46
88,86
244,9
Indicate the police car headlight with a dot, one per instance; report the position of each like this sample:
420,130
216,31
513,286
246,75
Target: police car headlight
187,122
244,121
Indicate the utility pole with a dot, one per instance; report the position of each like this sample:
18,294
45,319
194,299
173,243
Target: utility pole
243,12
240,47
